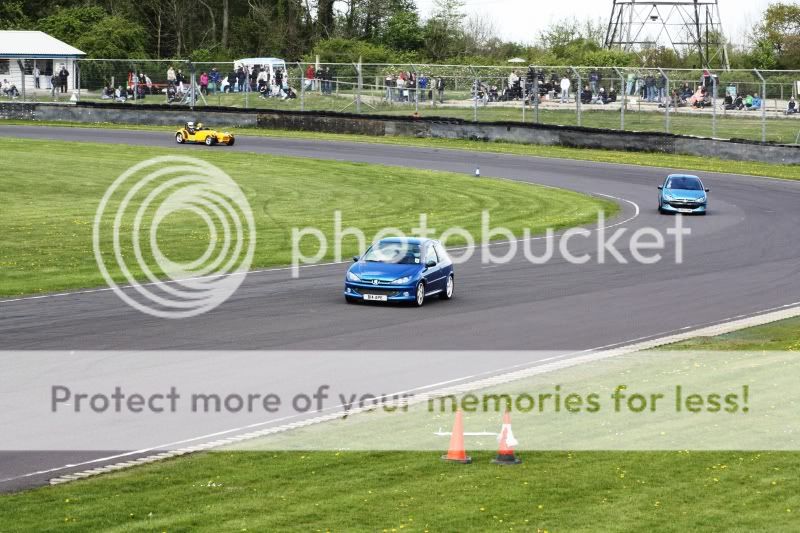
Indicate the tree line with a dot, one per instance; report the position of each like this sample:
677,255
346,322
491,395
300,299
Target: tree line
379,31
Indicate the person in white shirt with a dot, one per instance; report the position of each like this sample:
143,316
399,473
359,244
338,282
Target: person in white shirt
565,83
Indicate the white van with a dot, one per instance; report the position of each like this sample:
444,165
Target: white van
270,63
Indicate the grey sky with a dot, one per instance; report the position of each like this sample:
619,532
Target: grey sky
521,20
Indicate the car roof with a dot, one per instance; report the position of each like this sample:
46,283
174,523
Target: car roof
683,176
409,240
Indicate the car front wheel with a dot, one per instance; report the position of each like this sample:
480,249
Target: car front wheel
449,289
419,298
179,138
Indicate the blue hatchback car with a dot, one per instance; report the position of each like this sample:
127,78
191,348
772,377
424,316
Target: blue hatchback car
682,193
400,270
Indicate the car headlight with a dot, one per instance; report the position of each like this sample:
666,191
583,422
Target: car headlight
352,277
401,281
668,196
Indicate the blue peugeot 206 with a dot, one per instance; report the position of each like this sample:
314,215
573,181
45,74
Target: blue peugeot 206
682,193
400,270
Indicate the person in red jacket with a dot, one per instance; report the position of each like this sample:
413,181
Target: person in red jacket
311,74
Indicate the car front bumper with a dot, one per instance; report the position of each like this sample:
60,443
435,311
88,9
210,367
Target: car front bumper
393,293
676,207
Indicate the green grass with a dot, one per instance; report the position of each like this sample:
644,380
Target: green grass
345,491
47,215
667,161
783,335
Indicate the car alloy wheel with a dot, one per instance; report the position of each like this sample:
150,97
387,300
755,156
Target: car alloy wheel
209,140
449,288
420,295
179,138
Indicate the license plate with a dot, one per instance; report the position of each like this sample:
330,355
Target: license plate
684,210
376,297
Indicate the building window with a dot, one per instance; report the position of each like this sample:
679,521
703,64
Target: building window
4,68
45,66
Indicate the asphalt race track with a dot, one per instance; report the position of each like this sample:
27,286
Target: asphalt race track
741,259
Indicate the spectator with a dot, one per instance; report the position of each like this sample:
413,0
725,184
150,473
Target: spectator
262,80
171,77
254,72
279,77
600,97
727,102
661,88
650,87
214,80
148,83
612,95
791,109
311,73
120,95
325,78
108,92
686,92
240,77
756,103
440,89
53,83
698,99
738,103
565,83
203,83
180,79
594,81
748,101
36,74
586,95
63,74
423,87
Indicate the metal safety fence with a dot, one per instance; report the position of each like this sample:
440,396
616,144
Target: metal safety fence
748,104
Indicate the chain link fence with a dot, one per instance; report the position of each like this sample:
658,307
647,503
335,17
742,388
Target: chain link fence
747,104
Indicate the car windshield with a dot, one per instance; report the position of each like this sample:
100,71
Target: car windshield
687,184
394,252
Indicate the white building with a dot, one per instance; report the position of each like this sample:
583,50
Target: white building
25,51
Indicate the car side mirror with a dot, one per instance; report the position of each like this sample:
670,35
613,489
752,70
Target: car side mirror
355,258
660,188
708,190
431,263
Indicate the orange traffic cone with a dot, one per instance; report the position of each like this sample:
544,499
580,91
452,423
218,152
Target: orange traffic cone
505,453
456,453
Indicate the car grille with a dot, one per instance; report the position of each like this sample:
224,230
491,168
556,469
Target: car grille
378,291
685,203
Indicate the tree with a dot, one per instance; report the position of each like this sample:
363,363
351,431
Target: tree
114,38
403,32
70,24
779,34
12,16
444,30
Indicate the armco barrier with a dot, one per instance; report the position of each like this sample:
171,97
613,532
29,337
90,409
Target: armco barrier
376,125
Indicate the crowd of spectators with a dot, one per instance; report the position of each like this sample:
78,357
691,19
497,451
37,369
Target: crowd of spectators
406,86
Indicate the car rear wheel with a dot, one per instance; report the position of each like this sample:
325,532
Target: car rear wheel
230,143
419,297
210,140
179,138
449,289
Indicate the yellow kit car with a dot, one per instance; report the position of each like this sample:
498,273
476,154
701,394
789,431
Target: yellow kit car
190,133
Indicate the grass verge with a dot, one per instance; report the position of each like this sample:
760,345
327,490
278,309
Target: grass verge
669,161
47,215
393,491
